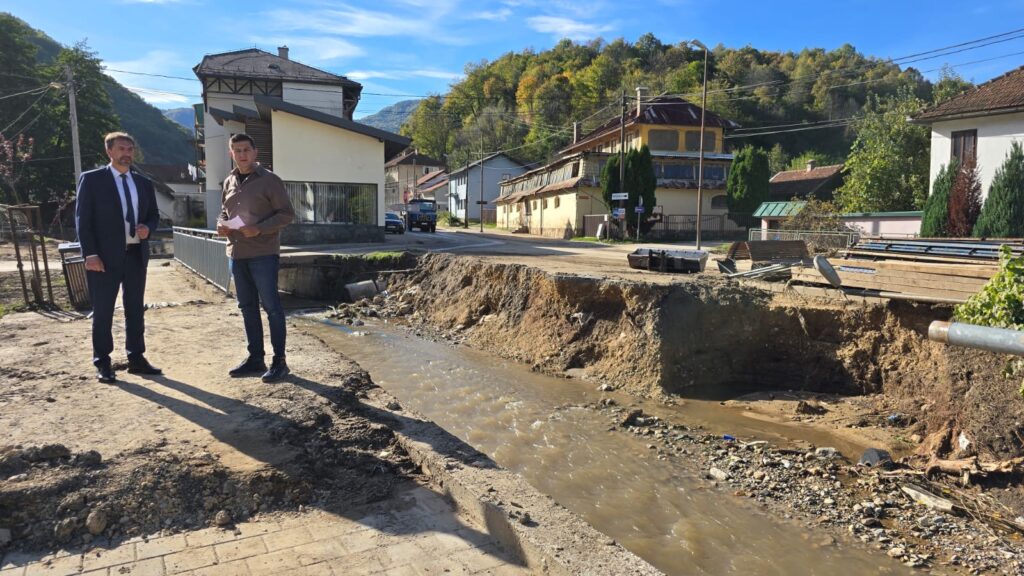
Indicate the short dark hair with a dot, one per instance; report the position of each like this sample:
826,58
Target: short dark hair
113,137
241,137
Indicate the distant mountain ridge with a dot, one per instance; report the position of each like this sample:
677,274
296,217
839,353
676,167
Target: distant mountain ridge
392,117
184,116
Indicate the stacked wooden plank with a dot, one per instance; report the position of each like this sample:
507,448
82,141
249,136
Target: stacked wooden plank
953,281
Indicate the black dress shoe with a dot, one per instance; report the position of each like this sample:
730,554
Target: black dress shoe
142,366
278,371
105,374
250,366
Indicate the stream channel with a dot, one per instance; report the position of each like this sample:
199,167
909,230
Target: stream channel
659,509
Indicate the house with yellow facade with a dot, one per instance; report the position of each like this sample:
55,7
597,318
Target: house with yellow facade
563,198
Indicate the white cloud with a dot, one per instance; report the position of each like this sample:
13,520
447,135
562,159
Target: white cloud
426,21
361,75
313,48
346,21
493,15
154,89
153,62
159,97
565,27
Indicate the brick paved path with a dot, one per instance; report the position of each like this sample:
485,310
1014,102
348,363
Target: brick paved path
414,533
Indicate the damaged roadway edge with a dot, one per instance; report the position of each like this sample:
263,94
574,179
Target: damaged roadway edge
549,538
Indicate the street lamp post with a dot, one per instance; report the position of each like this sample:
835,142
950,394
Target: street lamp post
700,160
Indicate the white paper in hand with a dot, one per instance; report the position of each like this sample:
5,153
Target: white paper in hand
235,223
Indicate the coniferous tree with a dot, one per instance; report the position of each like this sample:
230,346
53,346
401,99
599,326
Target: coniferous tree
747,184
1002,216
935,219
640,183
964,201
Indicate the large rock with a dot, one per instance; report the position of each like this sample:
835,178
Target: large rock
96,522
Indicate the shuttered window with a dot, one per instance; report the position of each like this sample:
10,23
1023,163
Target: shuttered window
965,146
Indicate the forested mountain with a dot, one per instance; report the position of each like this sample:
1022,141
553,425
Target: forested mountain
525,101
161,139
392,117
35,131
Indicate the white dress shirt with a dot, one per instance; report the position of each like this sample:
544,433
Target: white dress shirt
128,238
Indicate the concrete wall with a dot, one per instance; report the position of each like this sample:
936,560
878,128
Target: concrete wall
995,133
684,201
308,151
882,226
320,97
895,226
305,234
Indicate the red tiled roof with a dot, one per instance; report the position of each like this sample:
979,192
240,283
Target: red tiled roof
410,156
429,176
661,110
802,183
999,95
805,174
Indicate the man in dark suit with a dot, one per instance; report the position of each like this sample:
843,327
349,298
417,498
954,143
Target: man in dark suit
115,213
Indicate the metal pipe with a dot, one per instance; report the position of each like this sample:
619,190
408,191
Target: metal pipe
999,340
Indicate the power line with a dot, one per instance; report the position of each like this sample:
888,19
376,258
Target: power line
32,91
31,106
832,124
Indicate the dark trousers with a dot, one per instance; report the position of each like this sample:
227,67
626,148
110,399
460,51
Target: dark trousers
255,284
129,276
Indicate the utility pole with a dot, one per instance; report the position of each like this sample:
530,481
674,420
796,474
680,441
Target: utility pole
75,150
481,202
622,156
700,161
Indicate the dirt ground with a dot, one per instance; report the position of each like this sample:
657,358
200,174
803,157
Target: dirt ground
84,461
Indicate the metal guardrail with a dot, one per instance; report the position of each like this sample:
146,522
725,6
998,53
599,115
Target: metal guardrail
204,253
819,240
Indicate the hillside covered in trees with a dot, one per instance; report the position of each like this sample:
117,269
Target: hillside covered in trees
792,105
34,116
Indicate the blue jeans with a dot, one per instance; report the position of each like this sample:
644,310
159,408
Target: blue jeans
256,283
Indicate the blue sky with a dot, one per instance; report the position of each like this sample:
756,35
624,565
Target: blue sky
399,49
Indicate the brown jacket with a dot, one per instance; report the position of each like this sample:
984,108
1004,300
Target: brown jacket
261,201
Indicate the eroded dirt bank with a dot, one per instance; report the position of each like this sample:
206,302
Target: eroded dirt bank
711,338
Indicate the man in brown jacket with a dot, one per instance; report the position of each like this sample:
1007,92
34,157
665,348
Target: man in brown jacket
254,209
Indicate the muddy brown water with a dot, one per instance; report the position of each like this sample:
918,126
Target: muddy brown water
659,509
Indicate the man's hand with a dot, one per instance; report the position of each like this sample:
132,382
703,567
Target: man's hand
142,231
94,264
249,231
222,230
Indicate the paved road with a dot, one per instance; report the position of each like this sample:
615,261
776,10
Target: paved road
554,255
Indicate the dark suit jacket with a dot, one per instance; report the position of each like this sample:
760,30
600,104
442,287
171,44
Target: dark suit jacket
99,216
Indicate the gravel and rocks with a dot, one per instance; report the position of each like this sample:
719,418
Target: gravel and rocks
820,488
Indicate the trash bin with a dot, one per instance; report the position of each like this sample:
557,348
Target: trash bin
74,274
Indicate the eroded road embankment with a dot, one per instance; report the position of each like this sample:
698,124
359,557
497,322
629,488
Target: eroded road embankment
706,338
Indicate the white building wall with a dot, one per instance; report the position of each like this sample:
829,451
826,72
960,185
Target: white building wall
308,151
468,183
319,97
218,160
995,133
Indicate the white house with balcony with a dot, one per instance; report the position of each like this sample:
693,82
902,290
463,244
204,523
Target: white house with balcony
978,125
301,120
